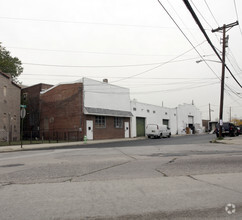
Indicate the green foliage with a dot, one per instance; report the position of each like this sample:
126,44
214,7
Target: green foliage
9,64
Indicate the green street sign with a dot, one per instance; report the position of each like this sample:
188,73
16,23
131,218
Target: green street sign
23,106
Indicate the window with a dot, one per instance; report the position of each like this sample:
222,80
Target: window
100,122
5,91
166,122
134,109
118,122
25,95
154,112
148,110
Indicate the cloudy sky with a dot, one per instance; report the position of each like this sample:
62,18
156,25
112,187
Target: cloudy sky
132,43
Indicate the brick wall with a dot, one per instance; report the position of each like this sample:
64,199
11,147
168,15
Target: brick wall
31,98
109,132
61,108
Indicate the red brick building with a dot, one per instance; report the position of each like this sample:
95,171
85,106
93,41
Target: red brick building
66,113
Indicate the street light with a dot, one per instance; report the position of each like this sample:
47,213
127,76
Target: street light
199,61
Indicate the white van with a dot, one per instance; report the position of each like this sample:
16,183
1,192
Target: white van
157,131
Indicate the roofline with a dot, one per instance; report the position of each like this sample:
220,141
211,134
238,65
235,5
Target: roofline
9,77
59,84
37,85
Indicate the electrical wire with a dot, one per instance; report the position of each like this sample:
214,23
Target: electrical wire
105,66
237,16
187,39
211,12
86,23
201,15
91,52
155,91
158,66
186,2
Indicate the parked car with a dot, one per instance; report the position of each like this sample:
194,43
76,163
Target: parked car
239,130
157,131
228,129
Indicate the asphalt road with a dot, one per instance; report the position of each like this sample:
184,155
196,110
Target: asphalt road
172,178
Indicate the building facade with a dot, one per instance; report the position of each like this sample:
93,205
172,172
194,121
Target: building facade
106,110
98,110
87,108
185,119
30,96
9,109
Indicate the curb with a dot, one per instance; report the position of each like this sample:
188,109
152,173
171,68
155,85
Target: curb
6,149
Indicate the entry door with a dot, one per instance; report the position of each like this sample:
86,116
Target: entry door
89,129
126,127
140,127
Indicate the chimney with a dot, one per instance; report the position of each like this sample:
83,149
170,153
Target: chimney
105,80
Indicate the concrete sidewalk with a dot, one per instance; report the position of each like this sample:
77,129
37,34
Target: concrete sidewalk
60,145
231,140
227,140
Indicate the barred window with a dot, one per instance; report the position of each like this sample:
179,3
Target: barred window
118,122
100,122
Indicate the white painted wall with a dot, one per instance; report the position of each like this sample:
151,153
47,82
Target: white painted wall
103,95
183,112
153,115
178,117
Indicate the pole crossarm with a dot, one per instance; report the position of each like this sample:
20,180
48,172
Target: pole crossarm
226,26
189,7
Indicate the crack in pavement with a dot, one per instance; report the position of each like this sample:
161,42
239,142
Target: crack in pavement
171,161
214,184
69,179
126,154
159,171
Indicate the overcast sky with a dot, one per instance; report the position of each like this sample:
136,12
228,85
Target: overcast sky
132,43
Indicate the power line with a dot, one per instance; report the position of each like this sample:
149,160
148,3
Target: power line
119,77
85,22
201,14
154,91
90,52
211,13
188,39
206,36
237,16
158,66
105,66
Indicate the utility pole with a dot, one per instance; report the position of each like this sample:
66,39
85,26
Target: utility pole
225,44
230,114
209,109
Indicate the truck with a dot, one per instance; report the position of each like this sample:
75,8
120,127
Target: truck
157,131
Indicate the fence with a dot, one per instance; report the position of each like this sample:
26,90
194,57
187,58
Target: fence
42,136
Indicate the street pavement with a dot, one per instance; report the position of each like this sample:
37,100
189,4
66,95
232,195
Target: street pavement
126,181
226,140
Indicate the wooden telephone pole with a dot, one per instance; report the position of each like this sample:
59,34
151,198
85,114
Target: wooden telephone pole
225,44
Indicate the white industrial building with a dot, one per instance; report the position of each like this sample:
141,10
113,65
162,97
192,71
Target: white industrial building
181,120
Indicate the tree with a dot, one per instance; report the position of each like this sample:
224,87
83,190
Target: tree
237,121
9,64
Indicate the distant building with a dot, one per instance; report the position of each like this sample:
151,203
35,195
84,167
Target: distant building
9,109
185,119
